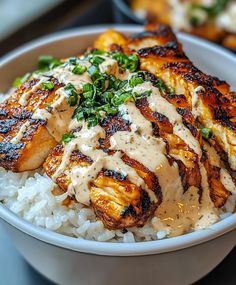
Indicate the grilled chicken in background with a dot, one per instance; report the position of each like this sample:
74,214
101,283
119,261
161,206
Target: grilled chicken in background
212,20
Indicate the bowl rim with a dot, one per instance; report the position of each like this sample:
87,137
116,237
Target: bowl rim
111,248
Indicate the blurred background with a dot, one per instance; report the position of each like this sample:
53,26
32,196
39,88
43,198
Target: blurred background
25,20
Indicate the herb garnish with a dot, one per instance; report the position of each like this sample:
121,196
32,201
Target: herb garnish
213,10
127,62
105,94
206,133
48,85
19,80
79,69
46,62
66,138
72,94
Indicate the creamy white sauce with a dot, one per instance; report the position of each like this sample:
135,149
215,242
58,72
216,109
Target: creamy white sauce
138,123
227,181
213,156
64,75
110,66
59,116
26,95
195,100
136,147
20,133
159,104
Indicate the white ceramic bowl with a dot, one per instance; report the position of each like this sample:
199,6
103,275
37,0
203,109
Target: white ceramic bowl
65,260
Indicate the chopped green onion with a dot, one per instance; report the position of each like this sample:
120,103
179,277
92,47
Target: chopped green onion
113,82
194,21
92,121
97,77
19,80
120,99
143,94
108,95
171,90
206,133
67,138
48,85
78,69
213,10
73,60
135,80
96,60
96,52
72,94
48,62
133,62
128,62
88,90
161,86
79,114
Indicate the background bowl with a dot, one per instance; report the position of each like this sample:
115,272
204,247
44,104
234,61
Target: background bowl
123,13
65,260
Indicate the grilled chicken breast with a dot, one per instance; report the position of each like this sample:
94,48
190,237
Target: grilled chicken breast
25,141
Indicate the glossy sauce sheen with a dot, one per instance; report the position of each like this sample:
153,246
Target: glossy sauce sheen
179,211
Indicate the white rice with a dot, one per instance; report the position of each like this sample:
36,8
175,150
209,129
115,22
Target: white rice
29,195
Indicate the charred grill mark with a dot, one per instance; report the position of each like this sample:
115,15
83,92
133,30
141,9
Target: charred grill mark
22,114
6,125
222,111
162,51
160,120
28,85
113,124
140,212
116,48
178,100
145,205
114,174
128,211
218,192
149,177
221,115
187,120
3,112
151,77
171,45
192,74
9,151
189,176
155,130
160,117
76,130
189,126
220,152
78,156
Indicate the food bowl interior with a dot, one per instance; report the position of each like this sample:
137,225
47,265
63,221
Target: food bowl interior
206,56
